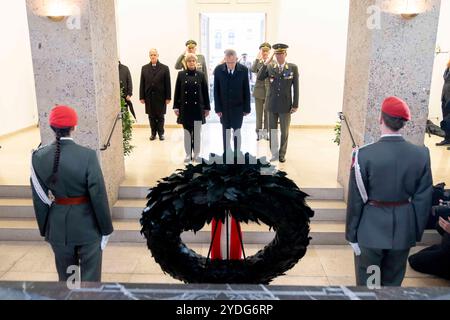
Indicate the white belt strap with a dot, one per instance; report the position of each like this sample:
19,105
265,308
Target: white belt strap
38,188
359,179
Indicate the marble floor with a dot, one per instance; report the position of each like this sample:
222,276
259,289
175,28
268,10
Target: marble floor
312,158
132,263
311,162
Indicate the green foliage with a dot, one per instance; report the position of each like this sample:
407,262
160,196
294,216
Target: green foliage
127,128
337,131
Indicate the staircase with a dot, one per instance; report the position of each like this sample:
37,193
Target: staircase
17,222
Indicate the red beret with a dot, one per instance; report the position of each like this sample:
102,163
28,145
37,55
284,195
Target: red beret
396,107
63,117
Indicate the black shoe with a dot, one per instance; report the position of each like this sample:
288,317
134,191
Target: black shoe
162,138
282,160
152,138
443,143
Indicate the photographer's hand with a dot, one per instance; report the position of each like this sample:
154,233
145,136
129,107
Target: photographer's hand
445,224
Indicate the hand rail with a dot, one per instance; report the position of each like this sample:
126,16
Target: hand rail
108,144
344,119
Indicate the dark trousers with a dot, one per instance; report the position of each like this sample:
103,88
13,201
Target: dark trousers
446,119
229,134
192,139
262,118
157,125
87,257
434,260
392,264
279,149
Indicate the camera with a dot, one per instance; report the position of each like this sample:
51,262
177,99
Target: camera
442,211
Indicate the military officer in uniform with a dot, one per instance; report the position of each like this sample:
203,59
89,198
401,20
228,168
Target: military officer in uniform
191,47
260,92
70,200
445,99
155,93
389,198
283,78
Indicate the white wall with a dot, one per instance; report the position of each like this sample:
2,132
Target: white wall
146,24
440,63
18,107
315,30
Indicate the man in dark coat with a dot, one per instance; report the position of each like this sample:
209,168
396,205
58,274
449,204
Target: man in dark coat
445,124
126,84
231,98
155,93
389,199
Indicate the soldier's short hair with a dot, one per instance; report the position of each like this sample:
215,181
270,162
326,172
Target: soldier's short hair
230,52
393,123
191,56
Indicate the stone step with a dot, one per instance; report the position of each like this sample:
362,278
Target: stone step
130,192
337,193
325,210
322,233
9,191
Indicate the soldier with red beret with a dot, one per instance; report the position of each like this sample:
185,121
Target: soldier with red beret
70,201
389,199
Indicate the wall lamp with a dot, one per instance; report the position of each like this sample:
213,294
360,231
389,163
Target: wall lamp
57,10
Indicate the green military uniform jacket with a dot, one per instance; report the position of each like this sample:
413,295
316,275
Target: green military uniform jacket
261,87
390,170
282,85
79,174
201,64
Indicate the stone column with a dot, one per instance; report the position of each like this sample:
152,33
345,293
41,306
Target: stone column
75,63
386,55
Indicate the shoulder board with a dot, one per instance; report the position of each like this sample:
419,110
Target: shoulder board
40,147
366,145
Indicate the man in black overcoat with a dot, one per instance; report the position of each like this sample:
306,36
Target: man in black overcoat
231,98
155,93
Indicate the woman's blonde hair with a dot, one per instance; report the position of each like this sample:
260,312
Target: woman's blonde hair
191,56
448,64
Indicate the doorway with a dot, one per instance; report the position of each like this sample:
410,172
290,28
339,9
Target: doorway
243,32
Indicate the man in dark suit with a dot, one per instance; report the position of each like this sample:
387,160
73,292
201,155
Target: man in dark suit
126,85
155,93
231,98
283,77
389,199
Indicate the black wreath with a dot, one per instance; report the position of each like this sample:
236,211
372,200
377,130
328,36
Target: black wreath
191,198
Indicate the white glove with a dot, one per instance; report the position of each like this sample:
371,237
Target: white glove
356,249
105,240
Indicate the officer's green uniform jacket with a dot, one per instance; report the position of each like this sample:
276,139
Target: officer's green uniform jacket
261,87
201,64
79,174
282,86
391,170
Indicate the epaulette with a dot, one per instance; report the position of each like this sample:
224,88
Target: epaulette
40,147
366,145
